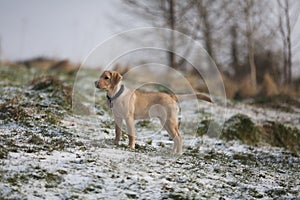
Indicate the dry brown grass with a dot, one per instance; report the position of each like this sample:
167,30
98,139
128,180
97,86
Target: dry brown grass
39,62
246,89
269,87
64,65
231,87
289,91
44,64
243,89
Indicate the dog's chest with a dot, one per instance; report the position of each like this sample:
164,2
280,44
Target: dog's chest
121,106
119,109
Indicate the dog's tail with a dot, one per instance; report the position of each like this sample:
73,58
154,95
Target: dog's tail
187,97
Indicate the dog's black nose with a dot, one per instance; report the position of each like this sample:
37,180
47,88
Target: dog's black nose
96,84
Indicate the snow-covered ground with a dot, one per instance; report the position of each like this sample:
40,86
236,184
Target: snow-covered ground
91,167
102,171
76,158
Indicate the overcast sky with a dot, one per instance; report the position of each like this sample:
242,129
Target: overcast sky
57,28
63,29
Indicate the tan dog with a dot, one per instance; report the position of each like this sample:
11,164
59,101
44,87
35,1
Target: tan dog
130,105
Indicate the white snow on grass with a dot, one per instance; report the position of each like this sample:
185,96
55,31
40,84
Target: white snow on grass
209,168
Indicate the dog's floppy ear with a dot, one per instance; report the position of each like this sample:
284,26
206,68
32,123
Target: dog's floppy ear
115,77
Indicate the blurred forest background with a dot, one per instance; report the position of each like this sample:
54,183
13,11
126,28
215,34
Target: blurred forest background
254,43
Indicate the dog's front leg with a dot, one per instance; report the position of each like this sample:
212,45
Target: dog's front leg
130,131
118,125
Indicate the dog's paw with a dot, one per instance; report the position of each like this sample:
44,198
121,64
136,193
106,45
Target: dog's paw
131,146
116,142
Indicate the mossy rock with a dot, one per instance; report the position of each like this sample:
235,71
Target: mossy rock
209,127
241,127
279,135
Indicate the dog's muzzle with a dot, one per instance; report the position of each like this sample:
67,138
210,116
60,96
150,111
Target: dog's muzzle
97,84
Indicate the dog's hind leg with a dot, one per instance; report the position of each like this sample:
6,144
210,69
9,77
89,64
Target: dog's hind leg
179,146
172,129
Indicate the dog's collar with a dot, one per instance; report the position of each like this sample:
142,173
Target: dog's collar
110,99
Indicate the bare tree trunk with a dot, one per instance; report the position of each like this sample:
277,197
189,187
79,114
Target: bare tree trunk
250,40
251,60
285,30
206,29
289,46
161,13
172,21
234,47
285,60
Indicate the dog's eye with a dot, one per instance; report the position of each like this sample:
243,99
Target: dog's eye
106,77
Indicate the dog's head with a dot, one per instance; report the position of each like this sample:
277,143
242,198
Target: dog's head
108,80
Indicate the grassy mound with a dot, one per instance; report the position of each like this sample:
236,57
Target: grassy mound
60,93
279,135
31,114
44,100
241,127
